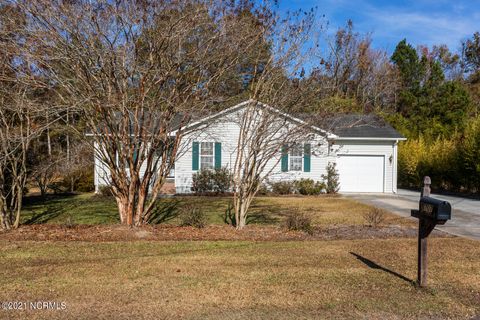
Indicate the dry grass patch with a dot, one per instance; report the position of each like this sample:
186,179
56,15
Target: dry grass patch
298,227
88,209
326,210
236,279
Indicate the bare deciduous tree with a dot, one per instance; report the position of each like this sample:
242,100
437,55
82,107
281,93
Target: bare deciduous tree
266,132
18,128
20,120
264,135
350,69
44,173
77,162
135,71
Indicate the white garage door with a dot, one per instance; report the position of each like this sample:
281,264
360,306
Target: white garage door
361,173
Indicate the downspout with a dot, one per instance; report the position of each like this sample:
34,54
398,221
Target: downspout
395,167
95,169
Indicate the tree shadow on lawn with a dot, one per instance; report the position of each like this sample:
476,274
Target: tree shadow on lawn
33,200
265,214
165,211
81,209
54,206
261,218
258,214
374,265
41,210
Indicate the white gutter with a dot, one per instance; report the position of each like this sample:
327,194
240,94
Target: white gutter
371,139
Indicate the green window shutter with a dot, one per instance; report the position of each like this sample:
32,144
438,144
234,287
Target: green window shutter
284,158
306,157
218,155
195,155
135,155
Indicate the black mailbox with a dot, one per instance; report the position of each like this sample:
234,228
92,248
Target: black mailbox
433,209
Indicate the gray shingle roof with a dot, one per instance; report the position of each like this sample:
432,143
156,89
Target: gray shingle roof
344,126
361,126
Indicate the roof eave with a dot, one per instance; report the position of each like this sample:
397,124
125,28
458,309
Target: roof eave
218,114
328,134
373,138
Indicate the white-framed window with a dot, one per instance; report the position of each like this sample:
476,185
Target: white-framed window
207,155
296,157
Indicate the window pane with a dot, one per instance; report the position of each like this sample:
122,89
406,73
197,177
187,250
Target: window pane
206,149
296,150
206,162
295,164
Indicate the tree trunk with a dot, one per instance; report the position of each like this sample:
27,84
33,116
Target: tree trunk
131,208
140,213
242,217
5,219
242,221
19,207
49,142
122,204
43,189
67,138
241,205
130,211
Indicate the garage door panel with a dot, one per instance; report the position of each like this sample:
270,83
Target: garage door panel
361,173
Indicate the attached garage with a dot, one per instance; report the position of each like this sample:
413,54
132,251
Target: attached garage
366,152
361,173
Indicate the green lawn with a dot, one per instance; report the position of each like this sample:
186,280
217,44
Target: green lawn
367,279
83,209
90,209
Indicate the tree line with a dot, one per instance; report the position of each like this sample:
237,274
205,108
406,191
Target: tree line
118,77
431,95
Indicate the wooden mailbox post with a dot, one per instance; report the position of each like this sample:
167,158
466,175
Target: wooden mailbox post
431,212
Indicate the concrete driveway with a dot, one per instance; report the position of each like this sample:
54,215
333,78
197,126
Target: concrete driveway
465,212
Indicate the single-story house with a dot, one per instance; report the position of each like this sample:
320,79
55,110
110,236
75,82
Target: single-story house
363,147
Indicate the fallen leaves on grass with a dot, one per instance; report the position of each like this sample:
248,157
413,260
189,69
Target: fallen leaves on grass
52,232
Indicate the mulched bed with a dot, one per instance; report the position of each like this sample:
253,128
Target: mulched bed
100,233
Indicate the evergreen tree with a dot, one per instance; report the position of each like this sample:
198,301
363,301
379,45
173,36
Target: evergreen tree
435,107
